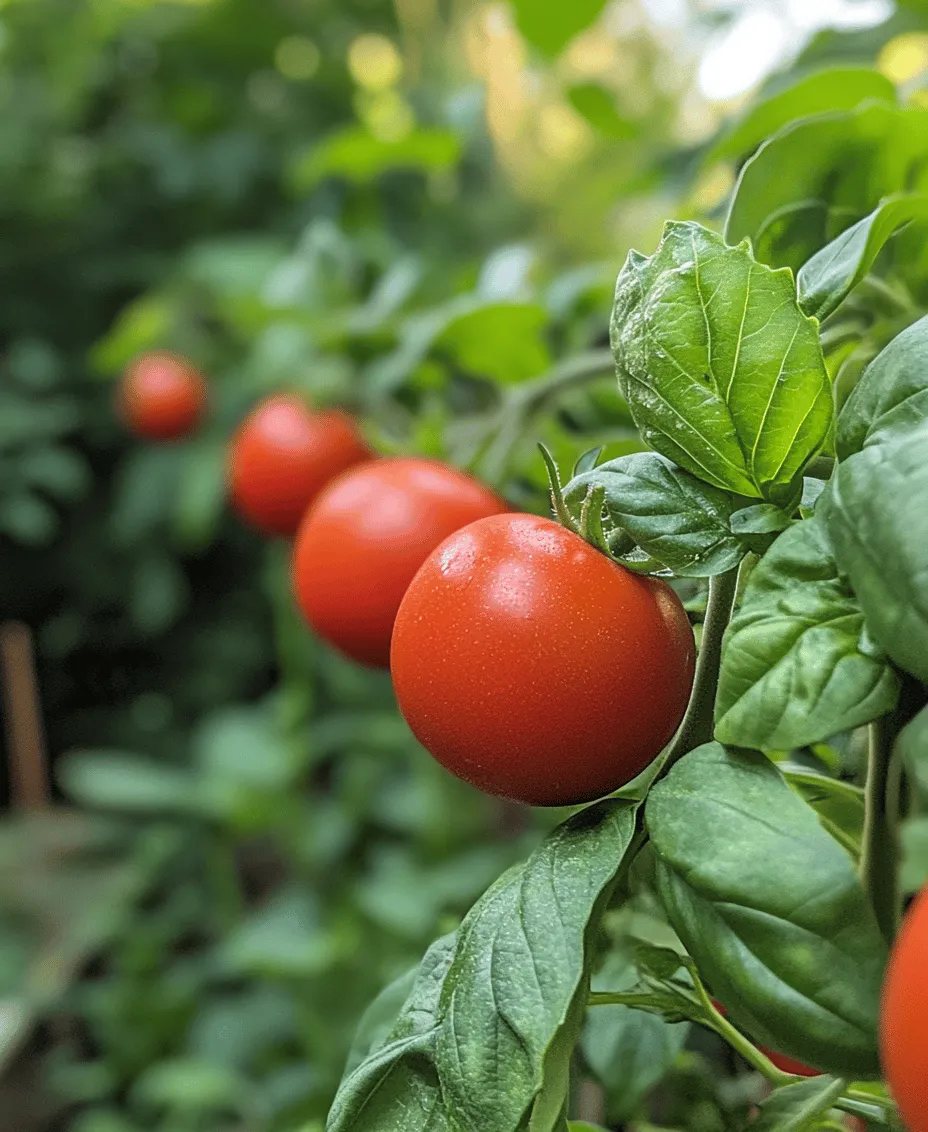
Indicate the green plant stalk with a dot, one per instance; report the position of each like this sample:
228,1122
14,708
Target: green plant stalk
879,865
524,401
698,725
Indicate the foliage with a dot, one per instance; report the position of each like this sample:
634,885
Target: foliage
253,853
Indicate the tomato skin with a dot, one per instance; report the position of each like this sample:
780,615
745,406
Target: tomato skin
904,1017
364,538
534,667
283,455
161,397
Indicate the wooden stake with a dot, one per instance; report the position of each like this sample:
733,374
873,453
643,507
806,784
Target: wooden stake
25,734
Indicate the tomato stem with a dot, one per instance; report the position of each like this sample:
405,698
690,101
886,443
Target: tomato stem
698,725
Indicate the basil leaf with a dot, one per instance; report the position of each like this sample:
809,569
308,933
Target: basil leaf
796,664
489,1029
891,394
876,514
837,88
770,908
827,279
671,515
818,175
722,371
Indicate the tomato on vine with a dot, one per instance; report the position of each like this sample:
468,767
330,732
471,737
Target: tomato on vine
363,540
283,455
536,668
904,1018
162,397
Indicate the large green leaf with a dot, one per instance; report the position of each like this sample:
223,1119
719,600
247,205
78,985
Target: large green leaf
913,747
892,393
837,88
827,279
674,517
503,341
550,27
488,1030
770,907
722,371
876,514
358,156
819,175
797,666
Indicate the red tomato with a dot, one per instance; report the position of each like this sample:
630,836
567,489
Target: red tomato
162,397
364,538
780,1060
283,456
534,667
904,1018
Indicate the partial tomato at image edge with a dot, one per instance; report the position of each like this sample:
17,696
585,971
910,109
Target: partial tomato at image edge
904,1017
365,536
536,668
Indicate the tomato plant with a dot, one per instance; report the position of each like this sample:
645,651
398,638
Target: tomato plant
612,662
365,537
647,551
162,397
283,455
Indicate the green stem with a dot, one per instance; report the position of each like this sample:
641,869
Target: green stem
524,401
879,857
698,725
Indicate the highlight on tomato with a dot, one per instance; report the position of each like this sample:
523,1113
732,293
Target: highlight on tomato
362,541
534,667
904,1018
162,397
283,455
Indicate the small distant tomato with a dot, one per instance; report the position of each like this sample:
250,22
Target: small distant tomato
162,397
534,667
364,538
283,455
904,1017
780,1060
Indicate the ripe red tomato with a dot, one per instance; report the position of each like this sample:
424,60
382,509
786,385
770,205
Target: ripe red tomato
364,538
534,667
904,1018
283,456
161,397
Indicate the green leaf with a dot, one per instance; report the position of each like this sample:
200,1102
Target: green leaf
629,1051
839,804
913,749
798,1107
796,663
502,341
489,1028
670,514
819,175
722,371
913,835
876,514
826,280
770,908
189,1084
379,1019
759,519
597,105
114,780
358,156
891,394
837,88
550,27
